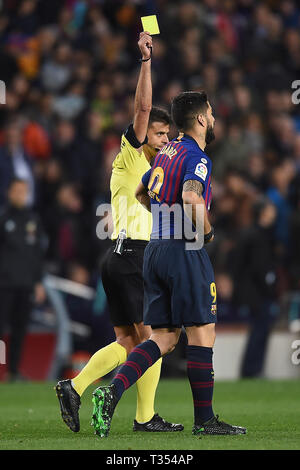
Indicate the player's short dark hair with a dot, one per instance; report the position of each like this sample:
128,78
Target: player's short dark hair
186,106
158,114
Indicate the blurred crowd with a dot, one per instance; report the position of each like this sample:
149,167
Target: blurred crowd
70,69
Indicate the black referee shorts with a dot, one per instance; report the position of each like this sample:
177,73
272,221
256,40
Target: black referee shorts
122,278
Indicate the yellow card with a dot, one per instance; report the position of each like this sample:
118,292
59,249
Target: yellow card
150,24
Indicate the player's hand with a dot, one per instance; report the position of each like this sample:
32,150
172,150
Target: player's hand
145,44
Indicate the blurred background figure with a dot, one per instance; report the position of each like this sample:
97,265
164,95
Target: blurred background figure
21,269
14,162
254,274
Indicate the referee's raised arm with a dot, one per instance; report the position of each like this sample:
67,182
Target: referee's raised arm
143,94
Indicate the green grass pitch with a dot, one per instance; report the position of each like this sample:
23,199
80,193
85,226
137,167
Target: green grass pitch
30,418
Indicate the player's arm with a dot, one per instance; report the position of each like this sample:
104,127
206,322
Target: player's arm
141,192
142,196
192,197
143,94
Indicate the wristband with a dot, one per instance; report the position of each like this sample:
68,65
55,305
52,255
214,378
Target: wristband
209,235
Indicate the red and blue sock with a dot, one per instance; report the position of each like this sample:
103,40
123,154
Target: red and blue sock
139,360
201,376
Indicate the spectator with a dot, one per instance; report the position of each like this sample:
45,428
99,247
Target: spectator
21,264
294,252
15,163
56,72
254,286
282,176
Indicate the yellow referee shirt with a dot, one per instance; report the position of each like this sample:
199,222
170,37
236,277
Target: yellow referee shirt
127,170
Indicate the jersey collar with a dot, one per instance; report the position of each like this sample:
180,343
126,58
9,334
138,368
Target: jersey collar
188,137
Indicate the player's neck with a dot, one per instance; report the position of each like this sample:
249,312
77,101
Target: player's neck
200,139
149,152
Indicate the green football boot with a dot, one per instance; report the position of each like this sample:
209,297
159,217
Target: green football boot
104,401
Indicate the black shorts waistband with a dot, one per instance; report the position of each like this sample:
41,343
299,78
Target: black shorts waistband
172,240
133,244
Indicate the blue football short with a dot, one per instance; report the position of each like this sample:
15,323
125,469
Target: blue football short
179,285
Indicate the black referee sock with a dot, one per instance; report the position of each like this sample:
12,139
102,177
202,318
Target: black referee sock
201,377
139,360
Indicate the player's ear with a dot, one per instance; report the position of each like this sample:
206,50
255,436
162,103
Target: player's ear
201,120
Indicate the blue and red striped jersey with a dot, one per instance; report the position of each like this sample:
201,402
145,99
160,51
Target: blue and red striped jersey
178,161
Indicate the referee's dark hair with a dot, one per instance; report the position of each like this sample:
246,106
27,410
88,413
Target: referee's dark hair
158,114
186,106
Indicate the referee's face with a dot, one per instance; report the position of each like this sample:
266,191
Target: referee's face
158,135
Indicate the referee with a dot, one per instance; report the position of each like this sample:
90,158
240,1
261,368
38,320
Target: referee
123,265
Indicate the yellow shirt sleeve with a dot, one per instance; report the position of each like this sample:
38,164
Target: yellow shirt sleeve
128,155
